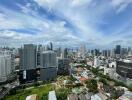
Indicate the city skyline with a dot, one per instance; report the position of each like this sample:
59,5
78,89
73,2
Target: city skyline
96,23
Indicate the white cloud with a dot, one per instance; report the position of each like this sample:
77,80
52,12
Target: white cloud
120,5
49,31
84,15
79,13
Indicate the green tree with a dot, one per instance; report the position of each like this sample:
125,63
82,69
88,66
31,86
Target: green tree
92,85
103,80
94,71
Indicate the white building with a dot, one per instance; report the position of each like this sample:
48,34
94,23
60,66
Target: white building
52,95
96,62
5,67
82,51
112,64
110,72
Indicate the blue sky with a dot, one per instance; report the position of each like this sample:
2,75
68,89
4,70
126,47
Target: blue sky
97,23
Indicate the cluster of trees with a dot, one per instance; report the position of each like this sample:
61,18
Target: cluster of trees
92,85
62,93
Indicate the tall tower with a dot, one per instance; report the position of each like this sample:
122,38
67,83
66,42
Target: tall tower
5,67
48,59
48,65
82,51
28,59
118,49
51,46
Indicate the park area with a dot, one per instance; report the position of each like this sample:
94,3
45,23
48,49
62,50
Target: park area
42,91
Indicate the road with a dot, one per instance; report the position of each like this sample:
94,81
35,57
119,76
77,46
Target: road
7,88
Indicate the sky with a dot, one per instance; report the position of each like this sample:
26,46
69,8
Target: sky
68,23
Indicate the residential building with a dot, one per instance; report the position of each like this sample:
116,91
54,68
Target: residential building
5,66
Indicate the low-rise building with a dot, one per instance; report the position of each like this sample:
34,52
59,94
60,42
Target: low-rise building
52,95
72,97
32,97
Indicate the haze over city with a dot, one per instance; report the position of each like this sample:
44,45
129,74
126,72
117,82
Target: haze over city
98,23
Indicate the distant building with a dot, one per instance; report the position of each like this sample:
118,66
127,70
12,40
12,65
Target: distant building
96,62
28,57
5,67
39,50
82,51
64,53
106,53
48,59
58,52
63,66
112,53
51,46
96,52
118,49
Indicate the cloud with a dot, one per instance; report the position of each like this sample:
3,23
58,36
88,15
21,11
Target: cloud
121,5
67,22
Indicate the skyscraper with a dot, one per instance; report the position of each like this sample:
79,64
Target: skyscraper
51,46
5,67
82,51
118,49
48,63
28,57
48,59
65,53
63,66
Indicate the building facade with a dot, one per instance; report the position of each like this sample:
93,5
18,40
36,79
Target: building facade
124,69
48,63
28,57
63,66
5,67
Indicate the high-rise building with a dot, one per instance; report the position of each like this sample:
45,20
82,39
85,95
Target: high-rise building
5,66
106,53
51,46
118,49
82,51
96,62
48,63
40,49
48,59
63,66
112,53
28,57
58,52
124,68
